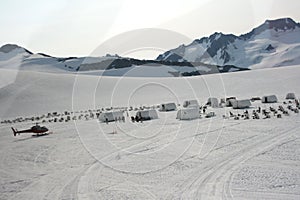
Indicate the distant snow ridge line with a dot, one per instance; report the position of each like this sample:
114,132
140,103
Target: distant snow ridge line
272,44
10,47
14,56
275,43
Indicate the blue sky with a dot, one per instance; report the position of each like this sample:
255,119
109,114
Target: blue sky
76,28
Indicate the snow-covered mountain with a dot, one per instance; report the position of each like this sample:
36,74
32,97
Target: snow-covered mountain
16,57
272,44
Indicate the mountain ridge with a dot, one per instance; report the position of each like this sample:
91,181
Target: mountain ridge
226,49
16,57
272,44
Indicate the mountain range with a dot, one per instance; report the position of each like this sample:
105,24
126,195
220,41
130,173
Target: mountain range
275,43
272,44
15,57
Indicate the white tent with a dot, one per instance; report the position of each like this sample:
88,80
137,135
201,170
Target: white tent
269,99
188,113
229,101
190,103
147,114
111,116
167,107
213,102
240,104
290,96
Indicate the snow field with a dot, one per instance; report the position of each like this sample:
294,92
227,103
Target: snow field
208,158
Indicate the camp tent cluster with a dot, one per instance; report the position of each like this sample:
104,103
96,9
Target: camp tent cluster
191,108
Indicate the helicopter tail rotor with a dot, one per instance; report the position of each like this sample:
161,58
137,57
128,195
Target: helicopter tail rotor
15,131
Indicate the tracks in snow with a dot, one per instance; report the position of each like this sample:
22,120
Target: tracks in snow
213,181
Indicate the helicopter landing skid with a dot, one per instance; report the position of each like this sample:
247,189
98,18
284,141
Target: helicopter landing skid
41,134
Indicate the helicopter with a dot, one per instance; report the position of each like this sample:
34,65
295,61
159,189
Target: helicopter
37,129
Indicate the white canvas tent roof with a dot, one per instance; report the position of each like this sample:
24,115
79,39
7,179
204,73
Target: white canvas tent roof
290,96
236,104
213,102
168,107
230,101
269,99
147,114
110,116
190,103
188,113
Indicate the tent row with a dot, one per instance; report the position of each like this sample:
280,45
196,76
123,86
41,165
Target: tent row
191,108
233,102
229,102
188,112
274,99
141,115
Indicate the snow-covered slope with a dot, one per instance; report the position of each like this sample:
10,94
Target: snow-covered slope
27,92
16,57
272,44
165,158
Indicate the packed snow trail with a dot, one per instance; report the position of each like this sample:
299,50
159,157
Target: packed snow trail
216,183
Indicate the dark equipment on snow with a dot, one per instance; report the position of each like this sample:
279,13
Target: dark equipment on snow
37,129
